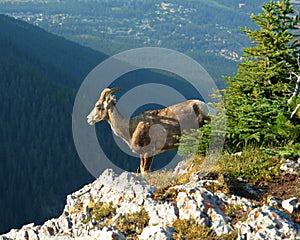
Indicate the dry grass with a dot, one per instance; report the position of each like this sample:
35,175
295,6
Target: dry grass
161,179
189,229
132,224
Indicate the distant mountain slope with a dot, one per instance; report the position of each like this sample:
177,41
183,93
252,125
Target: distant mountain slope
39,73
66,61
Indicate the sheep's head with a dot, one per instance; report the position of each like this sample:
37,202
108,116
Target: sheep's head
105,102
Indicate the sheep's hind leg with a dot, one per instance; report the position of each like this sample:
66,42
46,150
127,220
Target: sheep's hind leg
145,164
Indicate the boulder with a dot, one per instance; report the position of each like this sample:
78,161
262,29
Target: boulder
268,223
156,232
290,205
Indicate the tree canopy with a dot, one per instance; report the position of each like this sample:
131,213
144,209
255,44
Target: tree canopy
257,96
262,97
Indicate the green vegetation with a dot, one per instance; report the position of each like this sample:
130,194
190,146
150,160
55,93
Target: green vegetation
78,207
258,112
132,224
189,229
100,211
252,165
258,100
39,165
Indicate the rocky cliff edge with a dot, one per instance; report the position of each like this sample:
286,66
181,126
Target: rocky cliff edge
126,207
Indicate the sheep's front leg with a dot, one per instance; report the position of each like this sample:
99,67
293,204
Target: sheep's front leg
145,163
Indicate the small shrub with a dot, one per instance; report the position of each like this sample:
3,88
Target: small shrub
189,229
166,194
132,224
288,150
101,211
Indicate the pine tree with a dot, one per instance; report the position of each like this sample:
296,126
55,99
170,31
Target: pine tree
257,96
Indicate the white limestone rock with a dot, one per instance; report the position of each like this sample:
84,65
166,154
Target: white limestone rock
291,166
240,201
161,213
109,233
125,188
107,178
125,208
268,223
132,185
290,205
157,232
273,202
5,238
20,234
204,207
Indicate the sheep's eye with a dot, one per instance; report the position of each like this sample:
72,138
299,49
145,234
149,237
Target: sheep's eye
100,107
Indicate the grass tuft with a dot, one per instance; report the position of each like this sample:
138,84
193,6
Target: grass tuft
252,165
132,224
101,212
189,229
161,179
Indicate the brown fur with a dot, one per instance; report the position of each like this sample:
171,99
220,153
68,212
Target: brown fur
150,132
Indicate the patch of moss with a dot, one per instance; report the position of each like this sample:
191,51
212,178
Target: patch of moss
189,229
166,194
132,224
100,211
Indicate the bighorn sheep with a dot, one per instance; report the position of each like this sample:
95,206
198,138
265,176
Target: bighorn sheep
150,132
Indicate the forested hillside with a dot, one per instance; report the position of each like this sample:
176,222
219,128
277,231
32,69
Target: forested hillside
39,73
